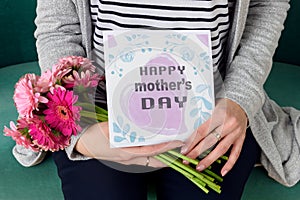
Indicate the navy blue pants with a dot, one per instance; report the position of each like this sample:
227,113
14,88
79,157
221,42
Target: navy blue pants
92,179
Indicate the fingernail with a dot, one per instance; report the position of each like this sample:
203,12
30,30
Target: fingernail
185,162
200,167
223,173
183,150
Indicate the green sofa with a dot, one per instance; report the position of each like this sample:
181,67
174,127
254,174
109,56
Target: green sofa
18,56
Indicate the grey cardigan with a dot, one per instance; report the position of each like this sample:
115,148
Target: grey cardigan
64,28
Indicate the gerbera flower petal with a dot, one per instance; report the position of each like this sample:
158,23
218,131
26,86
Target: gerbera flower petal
25,98
45,82
16,134
44,138
61,113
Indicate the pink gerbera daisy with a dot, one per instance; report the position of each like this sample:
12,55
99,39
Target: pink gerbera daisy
77,63
20,134
45,82
25,98
84,78
68,64
61,113
45,138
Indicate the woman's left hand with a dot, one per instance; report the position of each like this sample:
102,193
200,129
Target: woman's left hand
226,128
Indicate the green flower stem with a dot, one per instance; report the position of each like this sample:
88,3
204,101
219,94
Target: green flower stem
208,177
88,114
203,177
204,154
101,110
198,183
195,180
170,164
192,171
217,177
224,157
92,115
92,107
200,175
85,120
218,161
190,160
86,106
195,162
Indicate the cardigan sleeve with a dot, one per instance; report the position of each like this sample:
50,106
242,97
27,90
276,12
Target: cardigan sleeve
252,61
58,31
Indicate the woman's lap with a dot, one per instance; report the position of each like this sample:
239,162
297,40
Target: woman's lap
92,179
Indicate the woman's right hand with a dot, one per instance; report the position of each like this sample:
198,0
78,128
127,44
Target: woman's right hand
95,143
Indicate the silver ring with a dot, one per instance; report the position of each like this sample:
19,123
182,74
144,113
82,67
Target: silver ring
217,135
148,161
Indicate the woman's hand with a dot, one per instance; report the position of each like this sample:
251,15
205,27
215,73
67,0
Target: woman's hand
95,143
226,128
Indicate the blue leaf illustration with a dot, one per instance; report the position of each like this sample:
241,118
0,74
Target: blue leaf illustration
194,112
197,123
119,139
116,128
110,57
201,88
203,54
141,139
128,38
194,100
132,136
120,121
205,115
126,129
207,104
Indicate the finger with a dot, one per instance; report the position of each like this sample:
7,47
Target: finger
198,134
222,147
144,161
234,155
216,120
209,141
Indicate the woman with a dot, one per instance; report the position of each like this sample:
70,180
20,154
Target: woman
244,35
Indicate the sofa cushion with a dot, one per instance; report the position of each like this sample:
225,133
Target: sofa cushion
17,27
18,182
289,43
283,84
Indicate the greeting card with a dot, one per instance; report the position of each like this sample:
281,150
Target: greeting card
159,84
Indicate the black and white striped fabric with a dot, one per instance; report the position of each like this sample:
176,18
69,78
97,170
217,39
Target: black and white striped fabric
210,15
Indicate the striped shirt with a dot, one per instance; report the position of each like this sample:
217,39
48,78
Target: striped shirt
210,15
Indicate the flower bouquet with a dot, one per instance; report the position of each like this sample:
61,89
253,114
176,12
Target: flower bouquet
46,104
51,107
